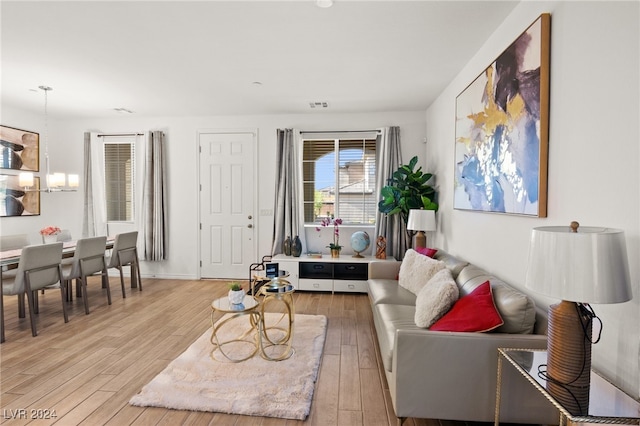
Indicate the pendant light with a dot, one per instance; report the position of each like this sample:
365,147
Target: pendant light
56,182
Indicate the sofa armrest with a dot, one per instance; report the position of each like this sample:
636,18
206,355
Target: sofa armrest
458,375
384,270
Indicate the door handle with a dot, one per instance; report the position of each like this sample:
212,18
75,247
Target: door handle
250,226
250,217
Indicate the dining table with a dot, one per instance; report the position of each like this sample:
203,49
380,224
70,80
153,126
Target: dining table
10,259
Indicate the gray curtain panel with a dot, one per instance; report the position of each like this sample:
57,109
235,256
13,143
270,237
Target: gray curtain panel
88,216
154,196
287,205
388,159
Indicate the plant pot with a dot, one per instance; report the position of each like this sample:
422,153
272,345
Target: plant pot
48,239
335,253
236,297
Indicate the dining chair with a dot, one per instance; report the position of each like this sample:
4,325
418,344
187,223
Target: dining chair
12,242
39,267
64,236
88,260
125,253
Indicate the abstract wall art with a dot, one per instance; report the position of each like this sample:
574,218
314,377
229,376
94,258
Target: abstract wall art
15,201
19,149
502,130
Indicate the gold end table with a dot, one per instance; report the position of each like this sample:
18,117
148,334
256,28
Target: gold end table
249,306
278,290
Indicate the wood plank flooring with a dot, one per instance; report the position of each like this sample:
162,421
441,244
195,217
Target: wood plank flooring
86,371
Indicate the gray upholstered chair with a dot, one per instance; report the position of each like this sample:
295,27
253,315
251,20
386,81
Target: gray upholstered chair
125,253
39,267
87,260
12,242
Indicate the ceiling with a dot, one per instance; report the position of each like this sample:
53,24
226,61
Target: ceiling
201,58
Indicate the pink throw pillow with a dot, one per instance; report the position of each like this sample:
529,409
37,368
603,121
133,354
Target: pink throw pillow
427,251
474,312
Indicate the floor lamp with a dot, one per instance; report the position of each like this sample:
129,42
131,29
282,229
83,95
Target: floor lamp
579,265
421,221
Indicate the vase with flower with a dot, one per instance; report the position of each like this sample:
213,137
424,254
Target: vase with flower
50,234
335,246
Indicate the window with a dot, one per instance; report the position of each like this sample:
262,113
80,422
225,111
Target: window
119,182
339,179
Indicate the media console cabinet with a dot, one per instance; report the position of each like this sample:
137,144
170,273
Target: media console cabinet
343,274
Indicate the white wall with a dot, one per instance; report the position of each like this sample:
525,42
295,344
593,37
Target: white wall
65,148
594,158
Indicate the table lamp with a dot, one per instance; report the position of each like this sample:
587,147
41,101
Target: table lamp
579,265
421,220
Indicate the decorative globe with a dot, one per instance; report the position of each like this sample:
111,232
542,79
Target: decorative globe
360,241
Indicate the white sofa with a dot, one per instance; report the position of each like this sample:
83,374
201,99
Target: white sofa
453,375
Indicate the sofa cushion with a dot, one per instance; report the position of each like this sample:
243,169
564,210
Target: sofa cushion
474,312
516,308
391,318
426,251
436,298
454,264
416,270
388,291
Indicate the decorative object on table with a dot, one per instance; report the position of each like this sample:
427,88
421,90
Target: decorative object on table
280,389
421,221
502,130
15,201
19,149
50,234
579,265
335,246
55,182
286,246
360,241
296,247
381,250
236,294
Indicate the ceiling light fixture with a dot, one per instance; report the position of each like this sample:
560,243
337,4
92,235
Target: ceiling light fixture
324,3
56,182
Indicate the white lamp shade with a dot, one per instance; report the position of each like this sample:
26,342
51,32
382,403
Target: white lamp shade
421,220
25,179
588,266
74,181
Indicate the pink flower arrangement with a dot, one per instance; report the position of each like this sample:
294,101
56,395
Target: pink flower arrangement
50,230
336,232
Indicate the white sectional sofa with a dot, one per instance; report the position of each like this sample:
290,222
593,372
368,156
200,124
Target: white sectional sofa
452,375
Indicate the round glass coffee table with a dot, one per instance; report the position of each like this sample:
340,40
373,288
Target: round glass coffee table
221,339
275,338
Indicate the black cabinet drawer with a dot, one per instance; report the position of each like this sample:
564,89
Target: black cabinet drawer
350,271
316,270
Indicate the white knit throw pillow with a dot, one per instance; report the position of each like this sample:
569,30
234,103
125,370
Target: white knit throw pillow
436,298
416,270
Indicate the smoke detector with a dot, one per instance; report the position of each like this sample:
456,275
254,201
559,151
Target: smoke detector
313,105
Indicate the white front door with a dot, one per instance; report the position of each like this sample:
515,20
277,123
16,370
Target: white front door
227,182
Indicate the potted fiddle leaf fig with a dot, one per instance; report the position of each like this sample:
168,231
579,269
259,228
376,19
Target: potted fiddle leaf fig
407,189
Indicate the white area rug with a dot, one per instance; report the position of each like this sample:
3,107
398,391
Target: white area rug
255,387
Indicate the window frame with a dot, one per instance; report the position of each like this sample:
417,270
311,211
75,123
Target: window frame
366,138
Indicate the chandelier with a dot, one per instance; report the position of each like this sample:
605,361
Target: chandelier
56,182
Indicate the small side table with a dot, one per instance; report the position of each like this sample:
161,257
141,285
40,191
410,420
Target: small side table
278,290
248,307
607,403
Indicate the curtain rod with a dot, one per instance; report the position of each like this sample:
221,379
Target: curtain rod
122,134
339,131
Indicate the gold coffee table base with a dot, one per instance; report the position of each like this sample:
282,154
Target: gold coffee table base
248,307
279,291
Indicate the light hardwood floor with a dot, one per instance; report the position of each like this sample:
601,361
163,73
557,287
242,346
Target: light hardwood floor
88,369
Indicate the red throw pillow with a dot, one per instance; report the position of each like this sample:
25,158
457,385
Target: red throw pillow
474,312
427,251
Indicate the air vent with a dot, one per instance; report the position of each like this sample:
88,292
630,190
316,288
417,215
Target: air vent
318,104
123,110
